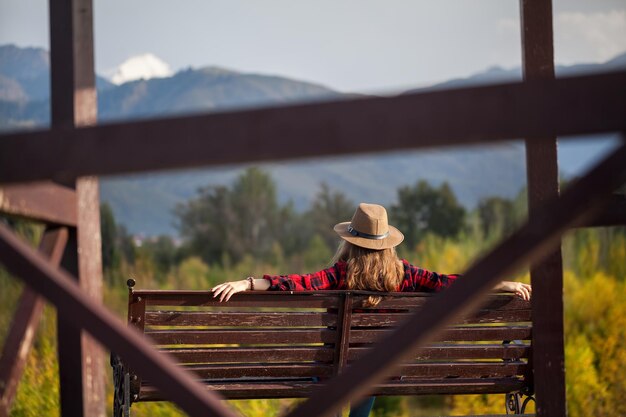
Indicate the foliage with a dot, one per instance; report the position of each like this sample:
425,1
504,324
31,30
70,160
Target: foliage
496,216
594,284
423,208
232,221
329,208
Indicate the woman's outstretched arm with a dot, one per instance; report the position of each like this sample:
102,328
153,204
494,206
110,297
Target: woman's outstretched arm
326,279
227,289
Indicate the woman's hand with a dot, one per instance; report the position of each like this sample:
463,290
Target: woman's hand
227,289
521,289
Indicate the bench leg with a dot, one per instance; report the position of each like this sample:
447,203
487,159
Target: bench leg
525,403
514,403
121,388
126,394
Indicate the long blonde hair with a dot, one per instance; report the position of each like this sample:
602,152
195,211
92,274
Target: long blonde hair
370,270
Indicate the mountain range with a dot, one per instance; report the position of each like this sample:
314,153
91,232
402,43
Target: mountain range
143,203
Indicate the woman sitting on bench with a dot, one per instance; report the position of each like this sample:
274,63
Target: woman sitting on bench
365,260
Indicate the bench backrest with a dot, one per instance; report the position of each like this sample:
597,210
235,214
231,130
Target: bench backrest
280,345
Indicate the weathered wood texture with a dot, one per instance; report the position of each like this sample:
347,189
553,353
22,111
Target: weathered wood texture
566,106
74,104
26,318
543,185
247,346
46,202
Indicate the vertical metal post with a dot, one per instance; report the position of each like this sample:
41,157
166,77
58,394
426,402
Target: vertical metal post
543,184
73,103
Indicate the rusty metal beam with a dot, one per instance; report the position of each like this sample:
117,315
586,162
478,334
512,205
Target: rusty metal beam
24,324
58,287
543,185
45,202
567,106
530,243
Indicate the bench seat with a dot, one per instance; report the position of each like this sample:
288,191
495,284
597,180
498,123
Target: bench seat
284,345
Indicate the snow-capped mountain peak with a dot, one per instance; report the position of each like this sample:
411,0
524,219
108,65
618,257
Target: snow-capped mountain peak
144,66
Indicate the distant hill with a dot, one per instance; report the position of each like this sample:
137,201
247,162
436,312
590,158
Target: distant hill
144,202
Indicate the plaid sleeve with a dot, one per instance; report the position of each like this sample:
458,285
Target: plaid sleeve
326,279
421,280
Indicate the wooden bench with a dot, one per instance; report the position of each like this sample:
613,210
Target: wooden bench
281,344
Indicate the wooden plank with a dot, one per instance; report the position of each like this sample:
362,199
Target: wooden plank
246,299
452,334
409,373
462,370
449,352
566,106
240,336
458,386
90,279
324,335
255,354
527,244
543,184
58,287
45,201
238,319
483,316
264,390
261,370
27,315
300,389
410,301
73,104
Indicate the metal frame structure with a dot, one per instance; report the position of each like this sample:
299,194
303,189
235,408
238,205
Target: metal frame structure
539,109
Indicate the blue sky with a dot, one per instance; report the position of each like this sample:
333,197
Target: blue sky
349,45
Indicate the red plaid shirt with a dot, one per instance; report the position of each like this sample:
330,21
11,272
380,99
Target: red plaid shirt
334,278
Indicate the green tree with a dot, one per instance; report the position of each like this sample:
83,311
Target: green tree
328,208
163,252
232,222
108,232
423,208
497,216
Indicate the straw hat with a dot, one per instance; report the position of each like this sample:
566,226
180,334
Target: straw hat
369,228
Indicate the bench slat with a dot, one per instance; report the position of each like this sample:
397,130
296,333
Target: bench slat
239,319
259,370
205,298
382,319
420,370
233,354
410,302
447,352
242,336
299,389
478,333
324,335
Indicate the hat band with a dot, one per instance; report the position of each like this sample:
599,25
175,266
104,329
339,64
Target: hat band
356,233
